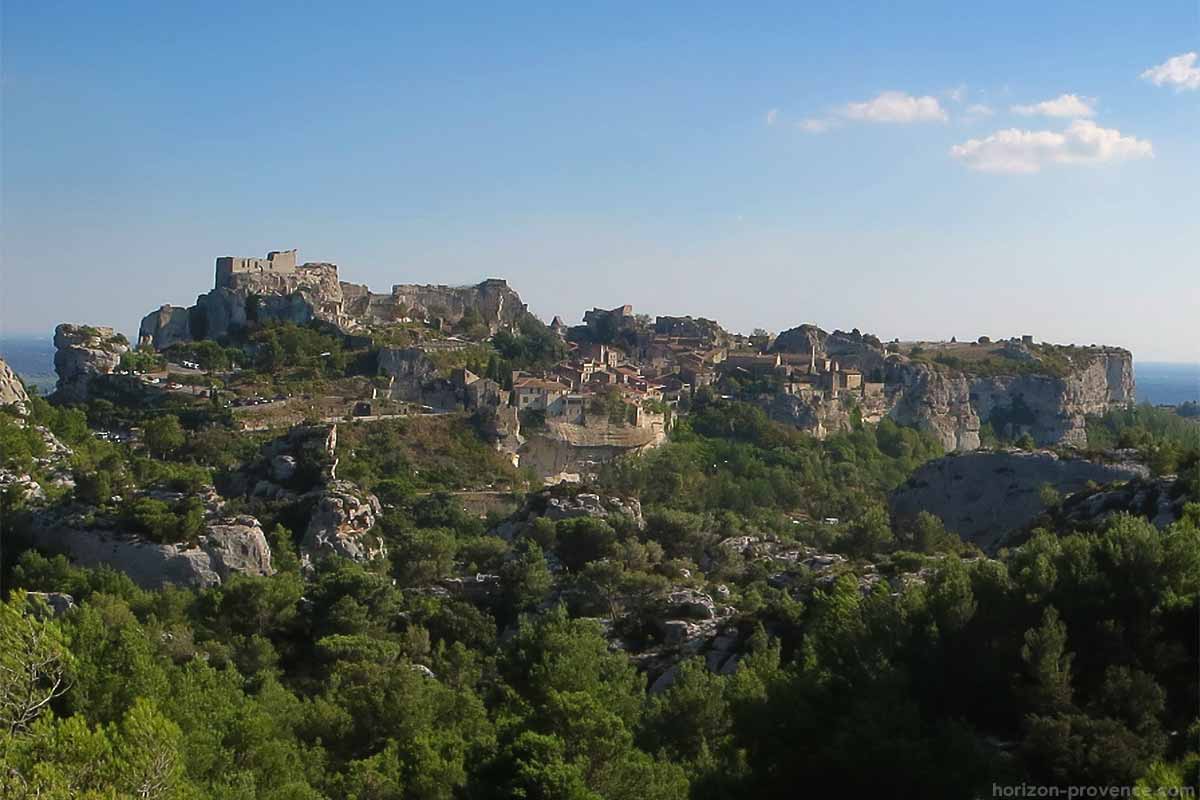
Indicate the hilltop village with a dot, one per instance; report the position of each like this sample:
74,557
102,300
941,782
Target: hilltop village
563,399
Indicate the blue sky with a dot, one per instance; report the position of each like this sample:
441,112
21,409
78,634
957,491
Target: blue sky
765,165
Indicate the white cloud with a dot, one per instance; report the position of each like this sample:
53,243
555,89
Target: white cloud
772,115
815,125
1065,105
958,94
1179,71
1084,143
980,110
896,107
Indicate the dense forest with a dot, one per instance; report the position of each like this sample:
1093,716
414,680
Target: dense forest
1069,660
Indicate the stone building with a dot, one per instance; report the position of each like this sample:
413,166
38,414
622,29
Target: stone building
277,262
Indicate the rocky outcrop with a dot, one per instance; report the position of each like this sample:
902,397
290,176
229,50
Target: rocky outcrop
167,326
228,546
1160,500
310,291
856,349
341,524
586,504
409,369
12,390
500,427
801,340
293,293
820,415
22,485
557,504
986,495
953,404
565,448
691,623
83,352
496,305
53,468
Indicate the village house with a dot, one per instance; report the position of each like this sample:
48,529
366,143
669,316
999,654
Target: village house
604,355
537,394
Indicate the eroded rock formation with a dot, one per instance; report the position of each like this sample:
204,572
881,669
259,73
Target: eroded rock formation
82,353
341,524
953,404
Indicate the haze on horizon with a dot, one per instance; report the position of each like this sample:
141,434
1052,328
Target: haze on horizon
933,174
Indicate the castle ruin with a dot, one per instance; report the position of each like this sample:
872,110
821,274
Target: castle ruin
277,262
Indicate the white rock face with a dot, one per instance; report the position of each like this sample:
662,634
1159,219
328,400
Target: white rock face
229,546
83,352
26,488
12,391
341,523
1053,410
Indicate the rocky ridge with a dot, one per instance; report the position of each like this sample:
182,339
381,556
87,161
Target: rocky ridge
986,495
313,291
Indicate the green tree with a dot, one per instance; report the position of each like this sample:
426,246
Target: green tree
163,435
1047,664
34,662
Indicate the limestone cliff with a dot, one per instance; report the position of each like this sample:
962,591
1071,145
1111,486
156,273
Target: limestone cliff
83,352
1052,408
12,391
952,389
565,448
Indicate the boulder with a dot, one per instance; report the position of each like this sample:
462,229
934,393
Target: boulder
692,604
227,547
